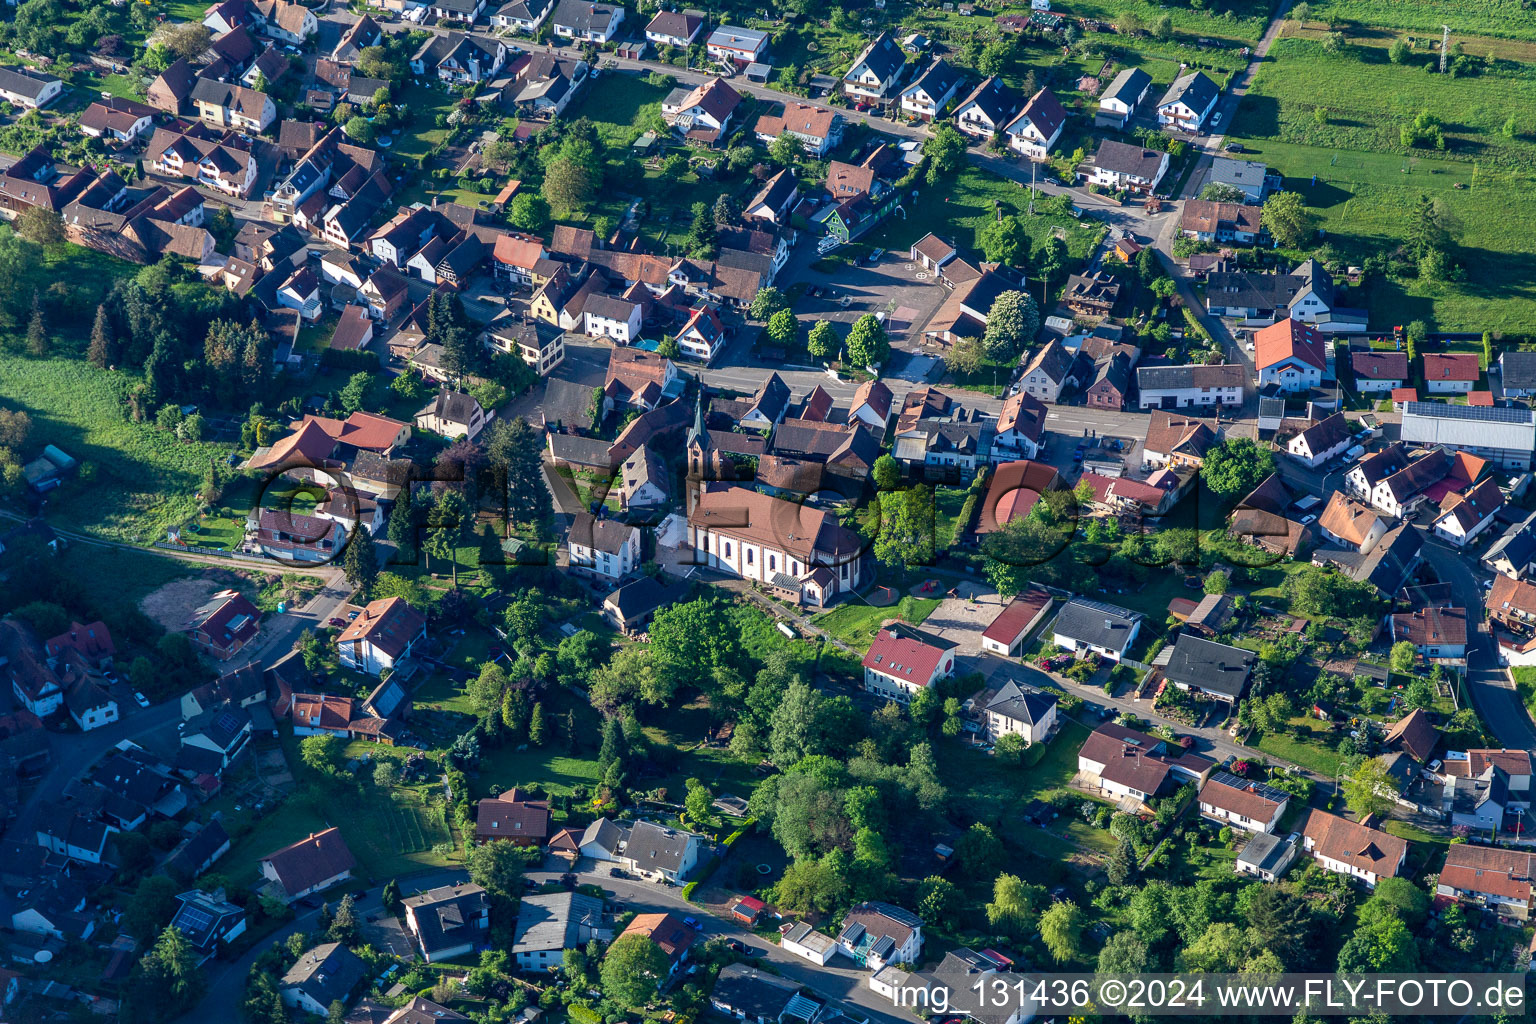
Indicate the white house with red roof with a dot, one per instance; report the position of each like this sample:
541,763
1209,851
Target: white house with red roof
1451,372
310,865
1291,355
903,660
703,334
381,635
702,114
1005,635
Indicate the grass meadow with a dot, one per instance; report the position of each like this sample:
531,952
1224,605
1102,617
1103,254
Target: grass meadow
1360,182
1508,19
139,479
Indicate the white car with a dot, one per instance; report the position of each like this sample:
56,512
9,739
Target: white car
139,699
1308,520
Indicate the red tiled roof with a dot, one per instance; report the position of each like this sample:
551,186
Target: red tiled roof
93,640
1405,394
320,711
1380,365
1017,616
1484,398
1288,338
507,818
1014,490
1451,366
1352,843
389,624
904,656
666,931
1483,869
1238,801
310,861
1428,626
1415,734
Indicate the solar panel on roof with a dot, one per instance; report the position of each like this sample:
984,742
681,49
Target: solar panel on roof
1484,413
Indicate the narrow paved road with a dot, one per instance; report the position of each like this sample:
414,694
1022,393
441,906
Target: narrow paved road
1492,690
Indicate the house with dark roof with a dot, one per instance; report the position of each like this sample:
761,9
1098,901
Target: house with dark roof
1188,102
931,90
514,818
28,89
1353,849
1451,372
1121,97
774,200
1376,372
1179,387
1035,130
748,994
321,976
1464,515
1321,442
988,109
310,865
1514,553
1022,711
674,28
548,924
1210,668
223,625
606,547
448,921
1119,166
875,934
454,414
1083,627
1387,567
631,608
208,921
588,22
222,730
1517,373
193,856
876,70
903,660
660,853
56,908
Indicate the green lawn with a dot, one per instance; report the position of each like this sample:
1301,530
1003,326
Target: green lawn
1359,182
1525,685
1502,18
855,623
425,102
136,480
1313,753
948,502
113,577
959,208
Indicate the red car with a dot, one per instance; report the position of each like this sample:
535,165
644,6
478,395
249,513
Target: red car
338,622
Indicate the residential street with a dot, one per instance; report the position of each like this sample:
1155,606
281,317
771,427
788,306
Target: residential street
1492,690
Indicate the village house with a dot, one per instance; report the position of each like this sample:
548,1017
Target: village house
232,106
1175,440
383,634
674,28
1290,355
743,992
1348,523
1049,372
1499,879
325,974
460,58
1091,627
989,108
453,414
1037,127
587,22
1250,806
1376,372
224,624
605,547
310,865
449,921
120,120
875,934
1210,669
1321,442
1122,762
1221,222
28,89
1121,97
875,71
548,924
930,92
522,15
817,129
1466,514
1250,177
208,921
739,46
1188,102
1179,387
1353,849
1514,553
1517,373
1017,710
903,660
1434,632
1120,166
703,113
774,200
1020,428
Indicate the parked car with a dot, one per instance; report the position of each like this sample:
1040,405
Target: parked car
337,622
1233,147
617,873
691,922
139,699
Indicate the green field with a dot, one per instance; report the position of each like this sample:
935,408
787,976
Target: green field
1311,753
1359,181
136,480
1510,19
959,208
855,623
1368,100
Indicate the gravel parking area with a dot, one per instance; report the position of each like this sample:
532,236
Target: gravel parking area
963,619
